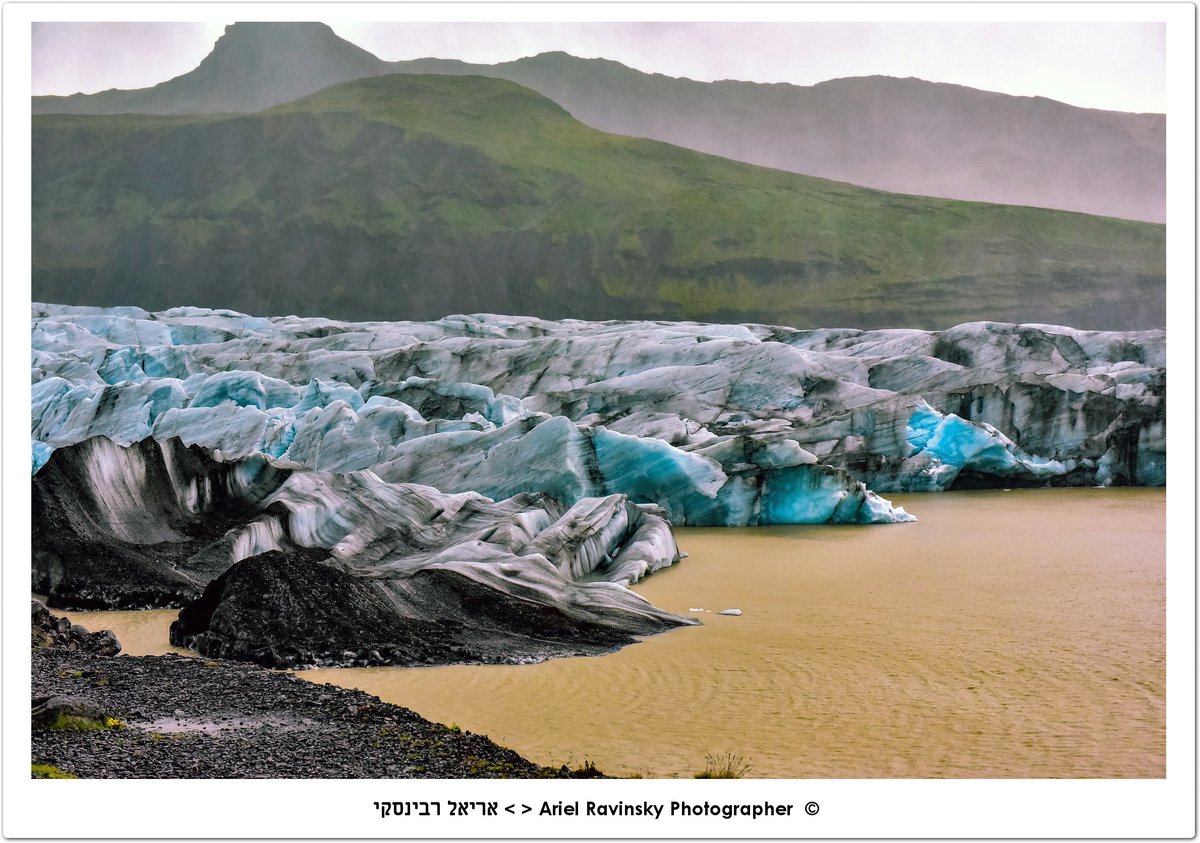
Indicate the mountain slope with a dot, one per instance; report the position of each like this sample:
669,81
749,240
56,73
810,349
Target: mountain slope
408,197
903,135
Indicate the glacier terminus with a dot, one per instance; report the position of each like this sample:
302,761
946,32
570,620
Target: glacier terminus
485,488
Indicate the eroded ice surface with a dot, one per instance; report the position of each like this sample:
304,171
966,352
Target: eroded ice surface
717,424
456,577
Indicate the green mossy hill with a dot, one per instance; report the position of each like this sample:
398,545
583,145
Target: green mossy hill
415,196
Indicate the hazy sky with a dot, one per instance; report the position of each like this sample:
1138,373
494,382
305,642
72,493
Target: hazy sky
1118,66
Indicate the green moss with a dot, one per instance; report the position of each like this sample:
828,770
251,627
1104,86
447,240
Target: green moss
71,723
464,215
49,771
491,769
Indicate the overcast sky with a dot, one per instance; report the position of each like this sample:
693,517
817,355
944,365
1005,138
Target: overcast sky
1119,66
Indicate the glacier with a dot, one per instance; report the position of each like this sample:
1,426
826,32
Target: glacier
302,437
700,419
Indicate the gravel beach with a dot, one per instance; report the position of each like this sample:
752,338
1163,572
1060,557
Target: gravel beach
182,717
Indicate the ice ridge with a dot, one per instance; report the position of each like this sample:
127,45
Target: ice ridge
715,424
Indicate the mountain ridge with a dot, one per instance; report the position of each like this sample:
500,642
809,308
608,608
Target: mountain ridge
900,135
410,197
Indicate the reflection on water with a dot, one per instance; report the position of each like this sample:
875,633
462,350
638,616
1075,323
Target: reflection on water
1015,634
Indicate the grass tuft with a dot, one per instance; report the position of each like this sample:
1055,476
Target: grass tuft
588,770
727,765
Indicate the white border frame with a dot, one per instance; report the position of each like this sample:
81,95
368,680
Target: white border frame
1157,808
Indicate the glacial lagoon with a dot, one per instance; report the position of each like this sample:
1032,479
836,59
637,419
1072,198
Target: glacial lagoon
1005,634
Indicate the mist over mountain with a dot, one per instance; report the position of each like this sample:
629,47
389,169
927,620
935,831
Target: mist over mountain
900,135
410,197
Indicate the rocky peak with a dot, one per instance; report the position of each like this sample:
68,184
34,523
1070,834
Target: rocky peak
271,54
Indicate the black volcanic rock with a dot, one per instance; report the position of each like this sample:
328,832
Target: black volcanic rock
49,630
189,718
284,610
294,610
66,714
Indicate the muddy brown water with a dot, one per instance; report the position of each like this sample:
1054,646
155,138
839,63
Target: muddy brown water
1005,634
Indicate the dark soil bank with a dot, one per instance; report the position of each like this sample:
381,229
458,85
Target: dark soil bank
195,718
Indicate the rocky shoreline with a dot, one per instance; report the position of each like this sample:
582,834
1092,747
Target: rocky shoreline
179,717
